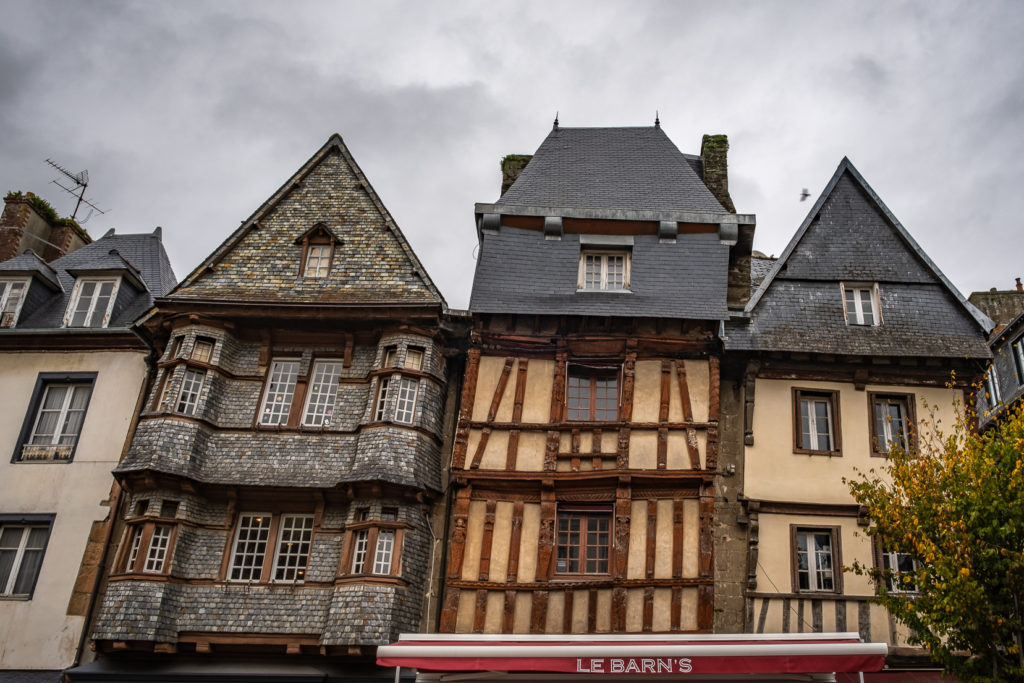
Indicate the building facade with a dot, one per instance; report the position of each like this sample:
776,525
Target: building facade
853,341
283,485
73,374
586,457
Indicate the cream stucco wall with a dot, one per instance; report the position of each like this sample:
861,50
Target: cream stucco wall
38,633
774,472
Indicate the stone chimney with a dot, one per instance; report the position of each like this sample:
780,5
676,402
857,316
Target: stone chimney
511,166
28,222
714,152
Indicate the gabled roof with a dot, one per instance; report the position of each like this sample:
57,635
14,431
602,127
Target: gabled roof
846,166
29,263
851,237
376,266
140,258
611,168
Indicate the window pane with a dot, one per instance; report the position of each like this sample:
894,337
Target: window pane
592,272
382,397
158,545
405,406
250,547
280,390
318,260
606,398
385,548
323,389
805,425
414,359
578,397
293,546
191,386
202,351
133,553
822,425
359,551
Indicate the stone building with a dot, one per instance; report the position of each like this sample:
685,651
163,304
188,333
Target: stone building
851,338
281,507
586,458
73,374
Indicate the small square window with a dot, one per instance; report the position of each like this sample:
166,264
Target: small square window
592,393
202,351
584,540
414,359
169,509
861,304
141,506
604,270
891,421
815,560
12,296
816,422
91,303
390,357
899,569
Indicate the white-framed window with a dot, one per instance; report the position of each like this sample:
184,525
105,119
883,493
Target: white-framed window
899,569
815,560
277,399
604,270
414,359
159,544
318,260
12,296
1017,348
992,393
133,548
57,420
380,410
390,359
374,546
22,547
405,405
816,417
294,539
323,390
91,302
253,538
860,302
892,419
250,547
191,386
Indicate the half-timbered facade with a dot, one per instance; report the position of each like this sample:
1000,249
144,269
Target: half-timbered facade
853,342
287,462
586,451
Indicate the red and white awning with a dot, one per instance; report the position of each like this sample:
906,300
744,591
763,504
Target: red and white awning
689,656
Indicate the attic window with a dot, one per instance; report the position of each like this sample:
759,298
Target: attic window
860,302
317,251
604,270
12,295
91,302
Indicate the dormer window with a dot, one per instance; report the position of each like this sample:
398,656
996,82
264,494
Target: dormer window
12,295
861,304
317,251
604,270
91,302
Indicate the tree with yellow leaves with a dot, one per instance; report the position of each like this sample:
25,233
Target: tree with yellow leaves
952,511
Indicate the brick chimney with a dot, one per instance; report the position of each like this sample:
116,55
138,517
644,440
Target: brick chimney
511,166
23,226
714,153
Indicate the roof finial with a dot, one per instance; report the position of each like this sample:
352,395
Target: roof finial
657,121
556,120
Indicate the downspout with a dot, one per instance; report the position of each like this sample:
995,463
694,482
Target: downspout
116,500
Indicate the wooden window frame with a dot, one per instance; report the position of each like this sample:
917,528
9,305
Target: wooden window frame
837,557
373,526
855,318
317,236
211,342
585,513
592,372
145,529
909,420
604,255
269,563
837,443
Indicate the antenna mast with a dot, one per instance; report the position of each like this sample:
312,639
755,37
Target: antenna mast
81,181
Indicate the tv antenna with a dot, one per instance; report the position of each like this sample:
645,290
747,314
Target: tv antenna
80,181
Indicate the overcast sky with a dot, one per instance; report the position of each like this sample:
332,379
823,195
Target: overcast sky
189,115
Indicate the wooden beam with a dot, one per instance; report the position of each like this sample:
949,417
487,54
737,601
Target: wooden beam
450,610
714,383
487,542
459,528
517,414
652,533
466,410
492,412
515,541
677,538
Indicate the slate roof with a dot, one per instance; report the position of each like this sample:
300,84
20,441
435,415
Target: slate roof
31,264
759,269
260,261
143,254
1010,386
611,168
851,236
518,271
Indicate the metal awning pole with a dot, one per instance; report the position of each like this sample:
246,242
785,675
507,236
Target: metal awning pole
398,670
